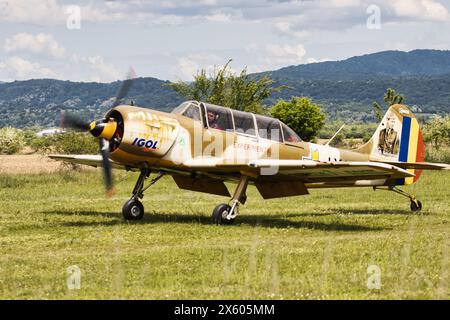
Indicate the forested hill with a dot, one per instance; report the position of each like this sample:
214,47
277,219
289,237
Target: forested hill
39,102
345,88
384,64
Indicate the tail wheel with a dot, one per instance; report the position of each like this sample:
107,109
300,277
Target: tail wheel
220,213
133,210
416,205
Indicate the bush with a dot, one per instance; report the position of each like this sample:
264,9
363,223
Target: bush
303,116
30,134
439,155
357,131
43,144
338,140
76,143
11,140
66,143
437,131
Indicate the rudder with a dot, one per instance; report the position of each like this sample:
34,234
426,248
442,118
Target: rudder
397,138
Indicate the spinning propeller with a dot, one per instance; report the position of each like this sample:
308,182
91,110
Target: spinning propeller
103,129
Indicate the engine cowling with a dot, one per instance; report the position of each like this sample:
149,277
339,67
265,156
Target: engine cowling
143,132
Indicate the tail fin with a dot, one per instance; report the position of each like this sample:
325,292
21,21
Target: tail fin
397,138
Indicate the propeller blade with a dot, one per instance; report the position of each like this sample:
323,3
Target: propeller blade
74,122
107,172
123,91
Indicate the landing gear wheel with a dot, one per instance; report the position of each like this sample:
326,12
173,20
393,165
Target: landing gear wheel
416,205
220,213
133,210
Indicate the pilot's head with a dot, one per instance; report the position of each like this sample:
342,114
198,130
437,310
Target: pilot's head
211,117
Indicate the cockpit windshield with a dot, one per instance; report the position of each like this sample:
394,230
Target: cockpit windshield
190,109
181,107
221,118
289,134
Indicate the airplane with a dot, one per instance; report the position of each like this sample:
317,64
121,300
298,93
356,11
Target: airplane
201,146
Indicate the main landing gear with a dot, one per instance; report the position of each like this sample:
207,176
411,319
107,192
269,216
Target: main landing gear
225,214
133,209
415,206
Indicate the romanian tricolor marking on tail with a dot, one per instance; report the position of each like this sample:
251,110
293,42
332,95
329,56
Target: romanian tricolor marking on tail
412,148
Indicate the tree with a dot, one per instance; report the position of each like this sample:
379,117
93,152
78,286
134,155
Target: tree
390,98
225,88
66,143
11,140
303,116
437,131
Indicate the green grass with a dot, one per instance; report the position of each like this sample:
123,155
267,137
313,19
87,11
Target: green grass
310,247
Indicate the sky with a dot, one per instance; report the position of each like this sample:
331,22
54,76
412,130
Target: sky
172,40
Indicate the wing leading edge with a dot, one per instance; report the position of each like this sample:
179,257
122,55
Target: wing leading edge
88,160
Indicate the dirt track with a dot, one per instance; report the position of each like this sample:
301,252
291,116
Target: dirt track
28,164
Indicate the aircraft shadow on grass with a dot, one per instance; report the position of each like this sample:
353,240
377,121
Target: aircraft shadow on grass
266,220
353,212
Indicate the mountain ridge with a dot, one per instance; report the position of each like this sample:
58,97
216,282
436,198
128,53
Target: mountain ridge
345,88
391,63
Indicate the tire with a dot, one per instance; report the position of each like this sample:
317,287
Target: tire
219,214
133,210
416,207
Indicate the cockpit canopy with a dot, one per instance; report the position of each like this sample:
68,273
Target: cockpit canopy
245,123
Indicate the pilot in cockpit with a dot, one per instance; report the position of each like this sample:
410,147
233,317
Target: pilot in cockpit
212,120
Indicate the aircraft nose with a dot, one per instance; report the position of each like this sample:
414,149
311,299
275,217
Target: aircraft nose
103,128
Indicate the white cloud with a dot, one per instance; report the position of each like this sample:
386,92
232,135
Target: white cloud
71,65
52,12
188,66
102,71
317,25
32,11
346,14
42,44
291,17
93,68
290,52
344,3
285,28
421,10
21,69
272,56
220,16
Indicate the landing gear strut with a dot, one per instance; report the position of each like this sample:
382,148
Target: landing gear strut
415,206
225,214
133,209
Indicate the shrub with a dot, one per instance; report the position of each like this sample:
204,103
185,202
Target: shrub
30,134
437,131
302,115
11,140
66,143
439,155
76,143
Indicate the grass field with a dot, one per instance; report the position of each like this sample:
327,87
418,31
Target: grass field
311,247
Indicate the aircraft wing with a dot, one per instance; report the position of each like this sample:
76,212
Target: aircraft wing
417,165
306,170
88,160
309,171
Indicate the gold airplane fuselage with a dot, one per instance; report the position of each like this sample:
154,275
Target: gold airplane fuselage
171,141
